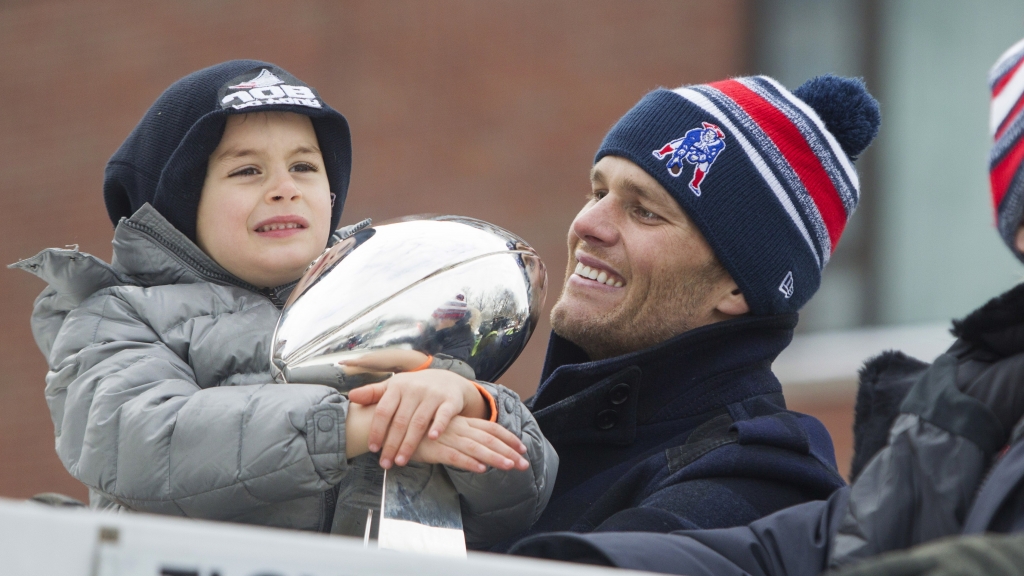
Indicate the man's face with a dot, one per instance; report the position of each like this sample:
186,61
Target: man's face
265,210
639,270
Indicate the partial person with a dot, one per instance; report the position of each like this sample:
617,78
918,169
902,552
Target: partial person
159,382
953,465
712,213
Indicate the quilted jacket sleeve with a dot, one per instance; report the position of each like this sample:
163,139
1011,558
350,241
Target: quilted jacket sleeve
133,422
921,485
496,504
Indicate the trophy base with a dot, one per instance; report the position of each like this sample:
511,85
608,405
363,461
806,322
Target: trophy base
408,536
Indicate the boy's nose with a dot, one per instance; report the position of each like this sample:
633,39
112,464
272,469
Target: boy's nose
283,188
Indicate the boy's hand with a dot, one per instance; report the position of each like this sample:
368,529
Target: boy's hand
409,403
473,444
390,360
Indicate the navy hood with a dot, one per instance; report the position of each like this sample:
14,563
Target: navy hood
163,161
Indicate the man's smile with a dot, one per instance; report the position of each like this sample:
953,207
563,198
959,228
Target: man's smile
592,269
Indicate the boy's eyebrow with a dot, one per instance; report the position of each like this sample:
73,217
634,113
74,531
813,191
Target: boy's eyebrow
243,152
306,150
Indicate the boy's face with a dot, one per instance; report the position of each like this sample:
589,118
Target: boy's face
265,209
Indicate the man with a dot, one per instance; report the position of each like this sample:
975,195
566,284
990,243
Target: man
712,213
953,464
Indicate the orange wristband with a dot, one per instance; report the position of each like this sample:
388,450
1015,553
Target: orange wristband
490,401
425,365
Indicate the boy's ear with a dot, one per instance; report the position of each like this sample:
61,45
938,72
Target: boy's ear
1018,241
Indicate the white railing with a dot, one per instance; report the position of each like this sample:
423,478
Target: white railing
37,540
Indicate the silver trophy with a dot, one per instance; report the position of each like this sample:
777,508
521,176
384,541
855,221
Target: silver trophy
465,291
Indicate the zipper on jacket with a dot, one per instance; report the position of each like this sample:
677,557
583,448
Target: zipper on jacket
330,503
272,294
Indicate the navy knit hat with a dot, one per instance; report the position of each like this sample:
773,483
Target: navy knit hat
766,174
163,161
1006,160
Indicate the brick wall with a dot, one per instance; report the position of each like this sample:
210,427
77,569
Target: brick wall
489,109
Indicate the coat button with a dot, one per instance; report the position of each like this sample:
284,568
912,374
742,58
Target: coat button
619,393
606,419
325,423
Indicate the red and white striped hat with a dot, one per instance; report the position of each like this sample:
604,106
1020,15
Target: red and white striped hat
1006,160
766,174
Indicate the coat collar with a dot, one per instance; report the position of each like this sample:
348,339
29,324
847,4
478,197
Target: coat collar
694,373
148,251
153,252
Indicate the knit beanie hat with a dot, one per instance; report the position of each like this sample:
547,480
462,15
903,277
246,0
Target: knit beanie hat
765,174
163,161
1006,160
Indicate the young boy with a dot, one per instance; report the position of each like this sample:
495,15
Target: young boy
159,385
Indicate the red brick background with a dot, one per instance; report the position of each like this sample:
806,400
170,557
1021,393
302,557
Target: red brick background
489,109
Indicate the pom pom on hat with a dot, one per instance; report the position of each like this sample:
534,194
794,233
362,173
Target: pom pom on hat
849,112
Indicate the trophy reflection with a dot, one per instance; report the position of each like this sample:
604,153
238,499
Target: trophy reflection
448,286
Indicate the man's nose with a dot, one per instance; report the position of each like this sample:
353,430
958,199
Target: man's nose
598,223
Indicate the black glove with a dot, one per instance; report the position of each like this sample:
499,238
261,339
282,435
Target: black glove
991,555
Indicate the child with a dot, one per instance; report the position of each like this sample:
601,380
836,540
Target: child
159,385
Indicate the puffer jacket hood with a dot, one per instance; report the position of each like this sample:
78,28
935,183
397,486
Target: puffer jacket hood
163,161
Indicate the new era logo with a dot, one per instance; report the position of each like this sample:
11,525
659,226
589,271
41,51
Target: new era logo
267,88
787,285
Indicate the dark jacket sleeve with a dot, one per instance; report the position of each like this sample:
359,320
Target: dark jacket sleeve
920,486
792,542
704,503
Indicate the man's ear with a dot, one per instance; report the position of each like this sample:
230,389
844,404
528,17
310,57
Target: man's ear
734,303
1018,242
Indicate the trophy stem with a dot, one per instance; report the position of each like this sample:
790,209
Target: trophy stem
420,512
369,524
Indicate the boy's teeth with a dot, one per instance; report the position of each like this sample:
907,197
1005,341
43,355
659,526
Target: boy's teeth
272,227
602,277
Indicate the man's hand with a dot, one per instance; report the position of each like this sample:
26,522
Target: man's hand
473,444
410,403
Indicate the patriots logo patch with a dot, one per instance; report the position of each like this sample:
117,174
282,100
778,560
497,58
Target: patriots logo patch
699,146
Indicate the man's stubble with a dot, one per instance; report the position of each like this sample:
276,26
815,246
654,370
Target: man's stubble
662,311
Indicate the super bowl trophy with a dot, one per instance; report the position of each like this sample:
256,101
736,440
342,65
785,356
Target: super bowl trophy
448,286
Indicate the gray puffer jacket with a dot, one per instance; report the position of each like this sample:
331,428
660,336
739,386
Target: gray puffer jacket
162,401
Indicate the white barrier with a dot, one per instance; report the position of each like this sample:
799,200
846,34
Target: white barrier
39,540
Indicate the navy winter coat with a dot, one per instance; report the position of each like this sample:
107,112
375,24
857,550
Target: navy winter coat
944,471
690,433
